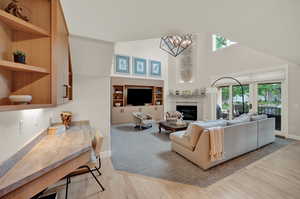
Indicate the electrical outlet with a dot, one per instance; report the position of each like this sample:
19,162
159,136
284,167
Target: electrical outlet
50,120
21,125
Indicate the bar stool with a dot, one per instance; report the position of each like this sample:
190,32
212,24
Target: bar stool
91,166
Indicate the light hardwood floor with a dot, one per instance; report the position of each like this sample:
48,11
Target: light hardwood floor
275,176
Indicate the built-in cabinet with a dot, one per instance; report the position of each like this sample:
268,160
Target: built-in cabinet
124,114
119,94
61,55
47,74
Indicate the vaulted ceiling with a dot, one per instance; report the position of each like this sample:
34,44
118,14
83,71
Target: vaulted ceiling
271,26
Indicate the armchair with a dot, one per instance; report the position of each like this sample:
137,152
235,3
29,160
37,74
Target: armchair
142,120
174,116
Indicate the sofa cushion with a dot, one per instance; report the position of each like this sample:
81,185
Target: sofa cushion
195,129
241,119
259,117
180,138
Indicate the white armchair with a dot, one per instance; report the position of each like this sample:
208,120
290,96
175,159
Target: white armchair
174,116
142,120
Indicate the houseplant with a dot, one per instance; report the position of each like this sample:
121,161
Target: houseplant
19,57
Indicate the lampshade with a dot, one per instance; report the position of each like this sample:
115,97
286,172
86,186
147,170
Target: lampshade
175,44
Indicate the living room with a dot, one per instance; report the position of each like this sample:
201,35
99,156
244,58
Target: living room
149,99
187,90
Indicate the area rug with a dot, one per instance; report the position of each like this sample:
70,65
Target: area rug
148,153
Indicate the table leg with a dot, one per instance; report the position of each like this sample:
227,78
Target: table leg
159,127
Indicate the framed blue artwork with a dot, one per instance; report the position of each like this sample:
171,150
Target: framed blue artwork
139,66
155,68
122,64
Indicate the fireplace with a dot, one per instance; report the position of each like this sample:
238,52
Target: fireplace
189,111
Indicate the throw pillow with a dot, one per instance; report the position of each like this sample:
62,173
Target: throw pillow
259,117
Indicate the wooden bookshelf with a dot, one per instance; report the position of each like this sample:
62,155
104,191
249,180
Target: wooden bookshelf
118,96
12,66
47,74
158,96
18,24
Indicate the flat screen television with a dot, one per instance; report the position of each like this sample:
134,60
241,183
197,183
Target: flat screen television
139,96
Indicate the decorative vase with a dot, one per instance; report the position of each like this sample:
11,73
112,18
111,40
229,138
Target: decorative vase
20,59
66,118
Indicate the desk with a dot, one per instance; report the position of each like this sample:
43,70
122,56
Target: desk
51,159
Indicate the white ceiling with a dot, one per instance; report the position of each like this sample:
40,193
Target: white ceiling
271,26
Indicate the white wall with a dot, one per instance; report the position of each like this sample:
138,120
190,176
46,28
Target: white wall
294,101
147,49
13,136
92,60
91,67
236,59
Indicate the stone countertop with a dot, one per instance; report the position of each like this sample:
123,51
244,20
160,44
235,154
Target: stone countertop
51,152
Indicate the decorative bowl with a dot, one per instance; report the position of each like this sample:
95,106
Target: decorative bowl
20,99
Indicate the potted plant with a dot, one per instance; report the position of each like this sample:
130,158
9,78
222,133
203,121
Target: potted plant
19,57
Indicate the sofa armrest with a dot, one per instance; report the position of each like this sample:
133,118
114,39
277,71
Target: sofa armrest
149,117
266,131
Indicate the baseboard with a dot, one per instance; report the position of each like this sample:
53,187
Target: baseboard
294,137
105,154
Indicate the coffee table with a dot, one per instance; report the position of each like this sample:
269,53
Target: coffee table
171,126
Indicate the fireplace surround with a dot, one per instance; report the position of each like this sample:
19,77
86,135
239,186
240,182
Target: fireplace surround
189,111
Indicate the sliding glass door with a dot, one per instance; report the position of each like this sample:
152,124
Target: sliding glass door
261,98
269,101
237,100
224,105
230,101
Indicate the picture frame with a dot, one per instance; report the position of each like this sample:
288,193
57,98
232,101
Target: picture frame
122,64
139,66
155,68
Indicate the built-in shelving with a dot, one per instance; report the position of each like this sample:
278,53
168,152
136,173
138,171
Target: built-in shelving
12,66
24,106
118,96
158,96
18,24
47,74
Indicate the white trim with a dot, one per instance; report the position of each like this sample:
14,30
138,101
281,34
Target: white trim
265,75
105,154
280,74
294,137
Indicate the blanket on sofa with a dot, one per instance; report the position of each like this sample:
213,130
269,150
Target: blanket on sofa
216,138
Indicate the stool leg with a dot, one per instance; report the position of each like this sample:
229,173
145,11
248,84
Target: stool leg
97,169
99,166
94,176
67,187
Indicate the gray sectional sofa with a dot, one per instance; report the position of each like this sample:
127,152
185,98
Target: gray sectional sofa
239,138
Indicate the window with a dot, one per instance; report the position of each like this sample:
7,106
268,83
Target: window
237,100
220,42
269,101
223,107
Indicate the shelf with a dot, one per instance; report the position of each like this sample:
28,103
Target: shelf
24,106
119,100
12,66
20,25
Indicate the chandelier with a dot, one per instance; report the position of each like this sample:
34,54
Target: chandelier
175,44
